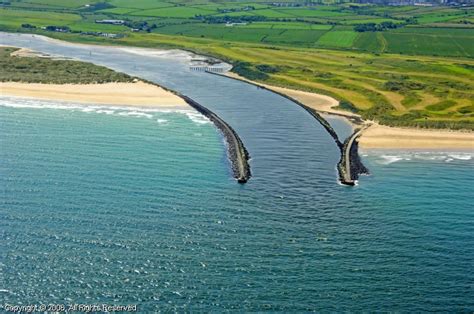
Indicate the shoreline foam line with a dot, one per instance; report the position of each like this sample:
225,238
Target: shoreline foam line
349,166
237,153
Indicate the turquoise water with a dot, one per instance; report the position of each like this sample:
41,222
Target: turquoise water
120,206
135,207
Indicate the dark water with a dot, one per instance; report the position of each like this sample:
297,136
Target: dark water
117,207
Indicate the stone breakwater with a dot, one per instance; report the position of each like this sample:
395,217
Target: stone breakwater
236,150
350,165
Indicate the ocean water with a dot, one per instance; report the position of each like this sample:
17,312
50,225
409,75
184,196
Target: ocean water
123,206
128,206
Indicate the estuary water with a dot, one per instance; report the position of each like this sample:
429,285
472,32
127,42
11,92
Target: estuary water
128,206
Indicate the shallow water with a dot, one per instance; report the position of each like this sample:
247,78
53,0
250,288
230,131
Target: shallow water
119,206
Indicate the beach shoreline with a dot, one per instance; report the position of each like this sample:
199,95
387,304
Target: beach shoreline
133,94
377,136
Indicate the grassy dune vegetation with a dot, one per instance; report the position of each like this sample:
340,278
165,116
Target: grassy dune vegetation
404,65
45,70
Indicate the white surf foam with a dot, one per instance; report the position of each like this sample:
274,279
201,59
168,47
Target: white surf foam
461,156
106,111
198,118
387,159
390,159
21,102
135,114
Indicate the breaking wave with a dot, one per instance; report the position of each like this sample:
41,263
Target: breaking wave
390,158
124,111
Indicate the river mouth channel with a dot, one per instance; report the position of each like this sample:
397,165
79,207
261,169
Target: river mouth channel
285,143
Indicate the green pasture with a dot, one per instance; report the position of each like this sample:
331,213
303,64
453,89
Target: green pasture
365,20
183,12
118,11
231,5
140,4
286,25
343,39
436,45
53,3
311,13
240,13
15,18
92,27
295,37
244,34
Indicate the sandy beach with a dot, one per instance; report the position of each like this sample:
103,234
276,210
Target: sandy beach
381,136
321,103
125,94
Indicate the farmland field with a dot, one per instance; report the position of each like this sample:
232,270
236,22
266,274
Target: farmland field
285,25
18,17
413,43
57,3
118,10
370,42
338,39
400,65
312,13
172,12
140,4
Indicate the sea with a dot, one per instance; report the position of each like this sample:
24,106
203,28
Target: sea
129,206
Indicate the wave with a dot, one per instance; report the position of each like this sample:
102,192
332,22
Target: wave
105,111
387,159
124,111
135,114
390,159
198,118
461,156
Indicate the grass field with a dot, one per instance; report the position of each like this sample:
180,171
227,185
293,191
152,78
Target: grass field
183,12
140,4
419,42
56,3
287,25
419,73
338,39
315,26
